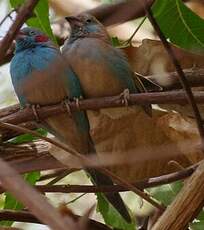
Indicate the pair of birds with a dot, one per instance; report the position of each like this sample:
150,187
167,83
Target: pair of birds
89,66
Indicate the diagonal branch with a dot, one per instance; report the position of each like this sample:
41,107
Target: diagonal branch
110,14
186,204
182,77
34,201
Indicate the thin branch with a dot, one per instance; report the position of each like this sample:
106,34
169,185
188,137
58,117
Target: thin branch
148,183
54,174
9,134
22,16
75,199
60,176
172,97
182,77
128,41
24,216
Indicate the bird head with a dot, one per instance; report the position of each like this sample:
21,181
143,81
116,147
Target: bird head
31,37
86,25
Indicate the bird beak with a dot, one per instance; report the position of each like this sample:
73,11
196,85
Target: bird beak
73,21
20,35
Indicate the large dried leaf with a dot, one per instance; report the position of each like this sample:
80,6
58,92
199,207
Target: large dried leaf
145,145
151,58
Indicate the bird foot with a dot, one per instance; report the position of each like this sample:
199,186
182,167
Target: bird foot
125,96
66,104
77,101
35,111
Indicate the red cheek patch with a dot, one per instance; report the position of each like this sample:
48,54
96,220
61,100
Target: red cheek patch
41,38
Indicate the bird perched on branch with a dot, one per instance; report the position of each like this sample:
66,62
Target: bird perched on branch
102,69
40,77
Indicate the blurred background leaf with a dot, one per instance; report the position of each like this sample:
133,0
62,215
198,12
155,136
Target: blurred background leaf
12,203
111,216
198,223
28,137
40,18
166,193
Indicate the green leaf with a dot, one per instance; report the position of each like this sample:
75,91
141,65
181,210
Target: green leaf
179,24
111,216
115,41
12,203
41,19
27,137
166,193
201,216
32,177
198,223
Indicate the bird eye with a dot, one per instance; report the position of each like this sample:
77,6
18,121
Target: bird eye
88,20
31,33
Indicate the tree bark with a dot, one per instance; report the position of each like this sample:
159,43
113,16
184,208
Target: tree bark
187,204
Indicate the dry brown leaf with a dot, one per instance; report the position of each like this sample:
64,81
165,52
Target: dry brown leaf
151,58
135,131
145,145
197,6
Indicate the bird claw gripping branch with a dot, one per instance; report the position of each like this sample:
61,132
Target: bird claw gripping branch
66,105
125,96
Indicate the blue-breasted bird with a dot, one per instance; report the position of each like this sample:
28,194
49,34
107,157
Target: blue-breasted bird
102,69
40,77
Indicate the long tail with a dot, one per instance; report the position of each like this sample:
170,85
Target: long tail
101,179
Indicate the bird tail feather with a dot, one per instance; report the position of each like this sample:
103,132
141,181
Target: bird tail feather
101,179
